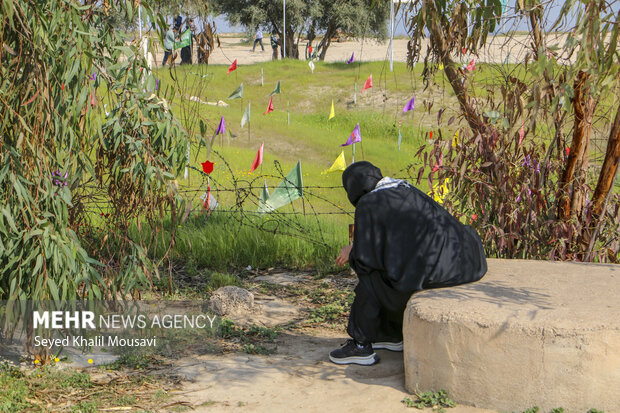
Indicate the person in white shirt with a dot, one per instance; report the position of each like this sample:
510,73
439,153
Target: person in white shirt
258,38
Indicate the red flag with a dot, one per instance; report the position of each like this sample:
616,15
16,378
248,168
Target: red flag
368,83
270,106
92,101
521,133
207,167
232,67
259,158
471,66
310,49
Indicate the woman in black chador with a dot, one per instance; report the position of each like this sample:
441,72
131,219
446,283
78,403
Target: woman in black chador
403,242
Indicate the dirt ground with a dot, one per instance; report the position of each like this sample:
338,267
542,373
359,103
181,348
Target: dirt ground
499,49
299,376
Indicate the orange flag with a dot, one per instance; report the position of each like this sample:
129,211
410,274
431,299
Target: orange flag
270,106
259,158
232,67
368,83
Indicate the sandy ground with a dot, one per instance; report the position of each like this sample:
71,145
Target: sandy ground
498,50
299,376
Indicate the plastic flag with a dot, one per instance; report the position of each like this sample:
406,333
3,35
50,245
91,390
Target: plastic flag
290,189
368,83
276,91
311,64
340,164
259,158
521,133
471,66
355,136
410,105
455,139
351,59
332,113
269,106
246,116
232,67
237,93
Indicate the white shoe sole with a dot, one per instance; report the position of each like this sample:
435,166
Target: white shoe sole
386,345
363,361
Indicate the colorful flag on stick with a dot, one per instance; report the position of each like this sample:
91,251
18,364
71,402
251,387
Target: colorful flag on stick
246,116
332,113
221,128
400,135
237,93
355,136
440,66
269,106
521,133
259,158
368,83
455,140
409,105
351,59
290,189
340,164
311,64
471,66
276,91
232,67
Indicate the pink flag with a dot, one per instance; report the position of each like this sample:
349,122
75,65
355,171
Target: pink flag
471,66
221,128
92,100
259,158
521,135
410,105
355,136
232,67
368,83
270,106
351,59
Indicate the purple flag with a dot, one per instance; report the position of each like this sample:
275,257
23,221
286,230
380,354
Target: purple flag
221,128
157,84
356,136
352,59
410,105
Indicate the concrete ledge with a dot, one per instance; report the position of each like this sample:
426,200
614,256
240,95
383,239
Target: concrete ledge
530,333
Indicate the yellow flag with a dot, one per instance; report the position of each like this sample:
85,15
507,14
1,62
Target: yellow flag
439,192
440,66
455,140
339,165
332,113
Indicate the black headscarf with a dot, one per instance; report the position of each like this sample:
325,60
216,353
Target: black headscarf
406,237
359,179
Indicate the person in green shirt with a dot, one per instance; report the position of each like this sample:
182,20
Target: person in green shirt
169,39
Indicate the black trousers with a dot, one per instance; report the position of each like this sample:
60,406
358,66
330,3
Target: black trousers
377,311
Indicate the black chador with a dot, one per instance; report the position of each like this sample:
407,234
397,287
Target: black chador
403,242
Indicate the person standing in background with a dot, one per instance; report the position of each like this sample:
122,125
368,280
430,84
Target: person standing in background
168,45
258,38
274,46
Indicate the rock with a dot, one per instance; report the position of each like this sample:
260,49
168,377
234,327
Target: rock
231,300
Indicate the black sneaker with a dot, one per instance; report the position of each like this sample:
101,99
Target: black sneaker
353,353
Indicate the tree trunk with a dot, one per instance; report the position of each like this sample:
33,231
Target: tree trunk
610,167
573,177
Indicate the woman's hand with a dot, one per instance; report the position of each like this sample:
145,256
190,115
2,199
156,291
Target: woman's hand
343,257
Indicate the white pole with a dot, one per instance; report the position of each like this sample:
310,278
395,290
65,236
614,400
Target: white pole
284,30
140,20
391,35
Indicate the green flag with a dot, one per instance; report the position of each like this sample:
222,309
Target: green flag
186,40
246,116
276,91
264,196
290,189
237,94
